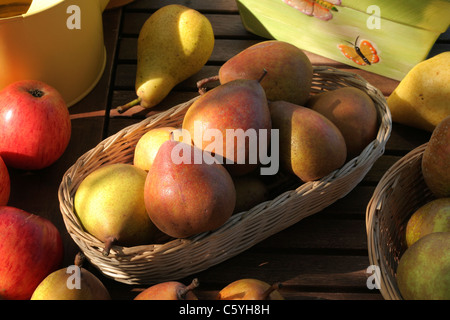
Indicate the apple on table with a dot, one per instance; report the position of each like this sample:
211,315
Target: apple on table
35,126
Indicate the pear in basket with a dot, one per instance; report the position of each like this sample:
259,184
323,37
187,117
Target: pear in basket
289,70
235,109
353,112
186,192
110,205
311,146
174,43
423,269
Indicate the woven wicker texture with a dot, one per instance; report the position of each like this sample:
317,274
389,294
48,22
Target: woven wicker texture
399,193
179,258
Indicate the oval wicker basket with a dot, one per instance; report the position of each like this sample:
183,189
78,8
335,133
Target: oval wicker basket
179,258
399,193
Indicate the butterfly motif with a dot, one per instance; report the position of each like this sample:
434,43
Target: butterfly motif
317,8
362,54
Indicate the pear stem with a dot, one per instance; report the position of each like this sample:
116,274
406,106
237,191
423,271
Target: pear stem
201,85
129,105
108,244
182,293
263,75
271,289
79,259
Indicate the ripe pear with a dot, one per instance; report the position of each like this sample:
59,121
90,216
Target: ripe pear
421,98
237,108
110,205
169,290
433,216
71,283
353,112
289,70
423,269
250,191
311,146
250,289
148,145
186,192
174,43
436,160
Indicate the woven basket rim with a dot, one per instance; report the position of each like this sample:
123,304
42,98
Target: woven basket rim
346,177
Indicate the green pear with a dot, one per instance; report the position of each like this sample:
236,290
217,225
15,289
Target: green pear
110,205
433,216
289,70
423,269
174,43
421,98
311,146
436,160
187,192
71,283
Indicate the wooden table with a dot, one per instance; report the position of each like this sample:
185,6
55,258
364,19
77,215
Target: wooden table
322,257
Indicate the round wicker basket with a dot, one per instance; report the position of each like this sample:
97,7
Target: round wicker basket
400,192
179,258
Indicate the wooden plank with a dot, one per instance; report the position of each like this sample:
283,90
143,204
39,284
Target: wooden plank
224,25
215,6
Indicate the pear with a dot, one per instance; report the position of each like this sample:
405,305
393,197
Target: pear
423,269
289,70
169,290
436,160
187,192
237,108
174,43
72,283
148,145
353,112
250,191
250,289
311,146
433,216
421,98
110,205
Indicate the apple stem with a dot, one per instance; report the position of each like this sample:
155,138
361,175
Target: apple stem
108,244
129,105
182,293
271,289
201,85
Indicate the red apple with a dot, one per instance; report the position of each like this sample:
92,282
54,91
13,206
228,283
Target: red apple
5,184
30,249
35,125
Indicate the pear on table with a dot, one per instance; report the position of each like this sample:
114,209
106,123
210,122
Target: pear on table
71,283
174,43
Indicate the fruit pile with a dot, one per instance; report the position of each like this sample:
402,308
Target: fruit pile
35,130
423,269
183,180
